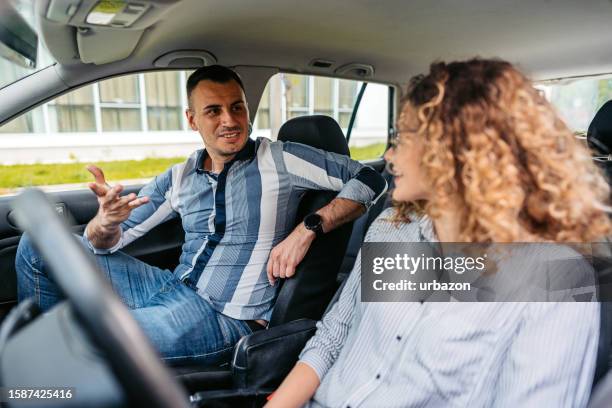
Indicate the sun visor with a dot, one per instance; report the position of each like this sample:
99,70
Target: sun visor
98,23
93,44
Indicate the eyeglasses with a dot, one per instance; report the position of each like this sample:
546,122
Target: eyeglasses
393,132
595,144
394,139
393,143
397,141
396,133
607,158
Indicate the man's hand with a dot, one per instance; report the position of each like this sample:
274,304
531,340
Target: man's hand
286,256
113,210
103,230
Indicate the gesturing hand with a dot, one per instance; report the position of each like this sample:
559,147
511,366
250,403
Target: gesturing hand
113,209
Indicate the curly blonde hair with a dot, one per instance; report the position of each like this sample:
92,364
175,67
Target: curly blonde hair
495,149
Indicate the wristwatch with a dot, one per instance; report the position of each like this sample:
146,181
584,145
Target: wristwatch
314,223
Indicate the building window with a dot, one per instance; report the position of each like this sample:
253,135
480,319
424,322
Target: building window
119,104
296,95
308,95
262,117
73,112
323,96
347,94
21,124
164,105
141,102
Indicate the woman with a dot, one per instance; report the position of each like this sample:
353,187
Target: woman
480,157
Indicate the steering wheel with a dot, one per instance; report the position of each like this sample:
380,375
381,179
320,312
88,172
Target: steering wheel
144,378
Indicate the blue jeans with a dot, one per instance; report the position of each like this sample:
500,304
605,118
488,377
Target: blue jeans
182,326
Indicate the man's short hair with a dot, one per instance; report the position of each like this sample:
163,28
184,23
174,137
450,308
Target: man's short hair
214,73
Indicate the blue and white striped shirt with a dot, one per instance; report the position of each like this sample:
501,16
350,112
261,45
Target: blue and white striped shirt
450,354
233,219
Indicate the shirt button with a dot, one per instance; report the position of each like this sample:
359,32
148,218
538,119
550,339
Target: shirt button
398,337
377,376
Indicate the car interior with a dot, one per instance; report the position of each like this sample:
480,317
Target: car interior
90,342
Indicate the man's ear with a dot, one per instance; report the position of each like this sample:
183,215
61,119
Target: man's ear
191,119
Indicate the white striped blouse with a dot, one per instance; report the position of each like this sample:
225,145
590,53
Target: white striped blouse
450,354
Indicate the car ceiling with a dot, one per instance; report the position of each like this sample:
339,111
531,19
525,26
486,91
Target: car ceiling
546,38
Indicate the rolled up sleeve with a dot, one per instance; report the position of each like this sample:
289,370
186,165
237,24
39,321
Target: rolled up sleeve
316,169
144,218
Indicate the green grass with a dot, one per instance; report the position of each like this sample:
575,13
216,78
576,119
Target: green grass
372,151
27,175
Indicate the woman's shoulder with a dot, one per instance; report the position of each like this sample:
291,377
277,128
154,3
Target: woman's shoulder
386,229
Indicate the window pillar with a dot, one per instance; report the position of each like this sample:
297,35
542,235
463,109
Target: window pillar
142,95
278,114
335,99
311,87
183,96
97,109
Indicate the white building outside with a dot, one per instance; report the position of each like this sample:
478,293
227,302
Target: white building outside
142,116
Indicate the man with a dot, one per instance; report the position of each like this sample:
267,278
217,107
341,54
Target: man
237,200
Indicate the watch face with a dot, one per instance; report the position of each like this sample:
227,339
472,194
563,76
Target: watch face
312,221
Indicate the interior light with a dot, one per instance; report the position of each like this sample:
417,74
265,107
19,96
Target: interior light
105,11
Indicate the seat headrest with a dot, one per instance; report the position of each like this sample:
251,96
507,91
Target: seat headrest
599,135
317,131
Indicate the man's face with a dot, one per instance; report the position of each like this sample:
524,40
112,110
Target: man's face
219,113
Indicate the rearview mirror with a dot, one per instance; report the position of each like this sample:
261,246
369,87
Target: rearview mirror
18,41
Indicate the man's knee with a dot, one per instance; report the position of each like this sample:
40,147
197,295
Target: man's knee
27,266
27,253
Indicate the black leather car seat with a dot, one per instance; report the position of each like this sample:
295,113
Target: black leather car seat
307,294
599,139
361,226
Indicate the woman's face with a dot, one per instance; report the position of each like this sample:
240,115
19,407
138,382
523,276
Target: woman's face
405,159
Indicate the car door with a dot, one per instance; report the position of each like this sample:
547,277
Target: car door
161,247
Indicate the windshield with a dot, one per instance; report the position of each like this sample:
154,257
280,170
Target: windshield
12,69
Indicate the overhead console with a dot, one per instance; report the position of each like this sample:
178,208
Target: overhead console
95,24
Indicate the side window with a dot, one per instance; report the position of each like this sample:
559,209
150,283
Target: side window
369,135
72,112
290,95
120,104
164,101
132,126
578,100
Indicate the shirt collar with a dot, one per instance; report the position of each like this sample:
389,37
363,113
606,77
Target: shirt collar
246,153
